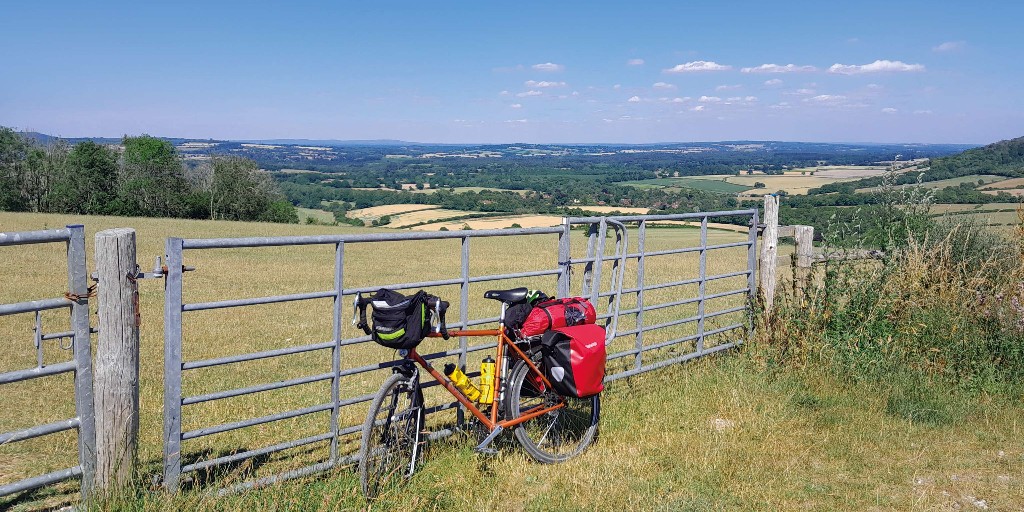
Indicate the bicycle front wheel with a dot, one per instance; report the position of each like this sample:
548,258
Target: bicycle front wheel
391,434
556,436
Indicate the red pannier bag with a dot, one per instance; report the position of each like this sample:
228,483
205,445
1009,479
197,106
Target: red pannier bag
555,313
573,359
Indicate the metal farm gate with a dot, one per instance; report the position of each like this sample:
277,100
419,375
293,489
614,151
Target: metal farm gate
77,340
676,316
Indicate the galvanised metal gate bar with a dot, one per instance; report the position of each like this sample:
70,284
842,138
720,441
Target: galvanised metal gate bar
592,284
175,365
700,299
81,362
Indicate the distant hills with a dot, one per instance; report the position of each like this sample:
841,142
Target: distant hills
1004,158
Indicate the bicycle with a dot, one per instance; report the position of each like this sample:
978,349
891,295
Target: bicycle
550,428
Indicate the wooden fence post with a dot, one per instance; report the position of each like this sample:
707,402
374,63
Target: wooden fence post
116,369
804,236
769,253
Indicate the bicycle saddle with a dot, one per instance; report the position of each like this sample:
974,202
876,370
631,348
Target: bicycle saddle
513,295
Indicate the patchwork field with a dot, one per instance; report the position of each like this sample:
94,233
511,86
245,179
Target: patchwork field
840,171
709,183
951,182
795,181
375,212
468,189
524,221
609,209
1010,183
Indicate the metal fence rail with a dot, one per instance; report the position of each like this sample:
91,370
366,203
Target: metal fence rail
80,364
603,275
701,298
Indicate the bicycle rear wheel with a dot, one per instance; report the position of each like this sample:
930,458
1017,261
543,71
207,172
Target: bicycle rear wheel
556,436
391,435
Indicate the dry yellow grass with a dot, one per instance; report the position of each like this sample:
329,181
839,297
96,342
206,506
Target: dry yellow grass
37,271
431,215
1013,192
609,209
1010,183
389,209
525,221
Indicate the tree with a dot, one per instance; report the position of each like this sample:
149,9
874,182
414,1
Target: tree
89,185
237,189
151,180
13,152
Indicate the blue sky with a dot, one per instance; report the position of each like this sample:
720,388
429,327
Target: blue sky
502,72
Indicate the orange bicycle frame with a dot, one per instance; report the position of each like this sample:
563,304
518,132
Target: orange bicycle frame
503,342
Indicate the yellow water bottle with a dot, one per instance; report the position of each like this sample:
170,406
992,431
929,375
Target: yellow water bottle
461,381
487,380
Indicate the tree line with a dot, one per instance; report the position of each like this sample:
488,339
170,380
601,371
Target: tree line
143,177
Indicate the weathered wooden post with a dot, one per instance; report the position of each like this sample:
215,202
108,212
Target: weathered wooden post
769,253
116,369
804,236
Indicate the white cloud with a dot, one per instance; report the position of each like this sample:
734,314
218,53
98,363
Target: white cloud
776,68
750,98
516,105
922,112
575,93
827,98
548,66
709,99
681,100
949,46
780,106
504,93
663,85
697,65
877,66
873,86
728,87
773,82
634,99
698,108
805,91
635,62
528,94
617,86
534,83
889,110
519,121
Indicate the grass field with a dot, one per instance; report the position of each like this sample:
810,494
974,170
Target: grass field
709,184
797,181
224,274
951,182
1010,183
468,189
728,433
322,216
524,221
431,215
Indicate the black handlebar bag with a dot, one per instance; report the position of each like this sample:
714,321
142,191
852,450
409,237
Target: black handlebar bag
399,321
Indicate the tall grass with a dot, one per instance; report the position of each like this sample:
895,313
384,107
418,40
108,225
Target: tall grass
940,313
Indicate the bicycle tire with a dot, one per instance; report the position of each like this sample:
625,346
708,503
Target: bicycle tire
390,444
558,435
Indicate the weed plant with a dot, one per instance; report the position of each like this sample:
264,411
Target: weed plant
933,317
